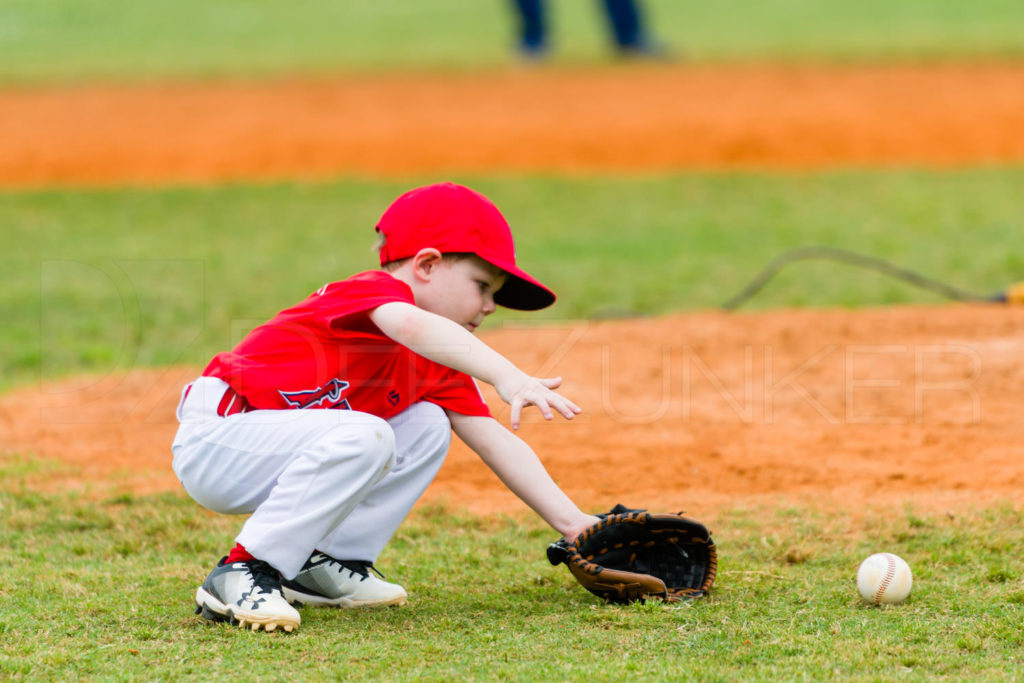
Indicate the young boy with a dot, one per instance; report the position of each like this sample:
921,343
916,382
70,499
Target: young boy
328,422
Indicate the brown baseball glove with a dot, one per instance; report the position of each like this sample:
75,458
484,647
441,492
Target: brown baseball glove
634,555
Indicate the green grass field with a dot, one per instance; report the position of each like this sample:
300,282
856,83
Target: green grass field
104,279
113,279
101,591
60,40
98,280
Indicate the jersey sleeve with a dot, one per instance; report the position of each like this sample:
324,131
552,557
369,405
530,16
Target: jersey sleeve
339,304
459,393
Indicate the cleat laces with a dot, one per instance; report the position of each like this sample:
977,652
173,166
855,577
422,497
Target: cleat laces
264,577
360,567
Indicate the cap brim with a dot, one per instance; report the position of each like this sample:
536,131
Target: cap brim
522,292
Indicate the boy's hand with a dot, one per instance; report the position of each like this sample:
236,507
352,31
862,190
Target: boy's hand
536,391
579,527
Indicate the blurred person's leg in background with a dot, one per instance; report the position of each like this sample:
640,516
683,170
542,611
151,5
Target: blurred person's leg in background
626,23
629,29
532,27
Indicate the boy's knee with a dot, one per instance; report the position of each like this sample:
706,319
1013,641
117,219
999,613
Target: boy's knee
380,444
424,433
432,419
371,438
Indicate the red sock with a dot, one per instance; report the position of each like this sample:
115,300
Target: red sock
238,554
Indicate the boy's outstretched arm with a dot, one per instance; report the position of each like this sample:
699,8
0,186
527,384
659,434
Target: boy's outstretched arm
521,471
448,343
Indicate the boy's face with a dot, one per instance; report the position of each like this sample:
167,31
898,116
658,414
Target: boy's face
462,290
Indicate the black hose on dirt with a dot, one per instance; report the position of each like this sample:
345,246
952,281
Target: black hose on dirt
1013,294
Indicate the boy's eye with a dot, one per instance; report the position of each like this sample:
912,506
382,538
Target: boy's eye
484,286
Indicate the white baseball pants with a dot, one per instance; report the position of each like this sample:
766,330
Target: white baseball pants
338,481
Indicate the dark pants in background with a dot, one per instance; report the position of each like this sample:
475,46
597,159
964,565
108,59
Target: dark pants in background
624,18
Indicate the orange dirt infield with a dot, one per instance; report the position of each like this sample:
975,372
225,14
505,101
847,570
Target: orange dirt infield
699,411
657,118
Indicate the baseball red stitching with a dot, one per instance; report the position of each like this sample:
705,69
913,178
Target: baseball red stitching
890,574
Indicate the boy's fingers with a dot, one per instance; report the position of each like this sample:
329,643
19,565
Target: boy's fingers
569,409
513,416
545,408
547,402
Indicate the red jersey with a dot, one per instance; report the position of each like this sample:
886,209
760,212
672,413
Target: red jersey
325,352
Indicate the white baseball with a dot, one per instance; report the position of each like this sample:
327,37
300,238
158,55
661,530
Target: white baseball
884,578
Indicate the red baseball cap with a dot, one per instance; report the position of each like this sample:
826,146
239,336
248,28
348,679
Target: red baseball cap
455,219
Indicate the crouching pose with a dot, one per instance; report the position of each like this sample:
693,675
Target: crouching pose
328,422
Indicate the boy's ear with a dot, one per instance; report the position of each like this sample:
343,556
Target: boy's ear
425,262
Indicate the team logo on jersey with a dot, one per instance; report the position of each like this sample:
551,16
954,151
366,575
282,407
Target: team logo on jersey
394,397
327,396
